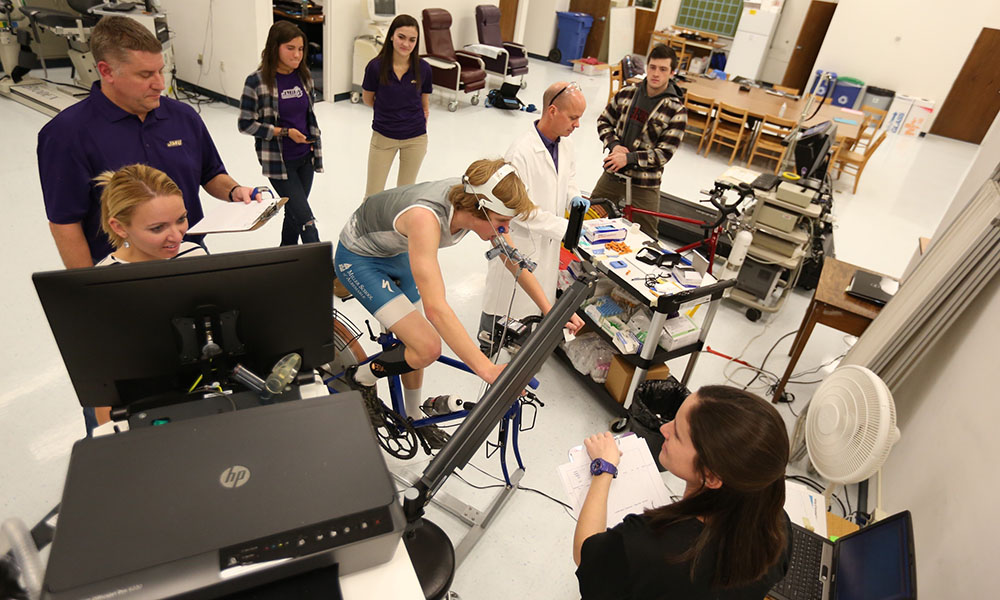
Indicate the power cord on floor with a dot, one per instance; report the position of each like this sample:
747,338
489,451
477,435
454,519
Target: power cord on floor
566,507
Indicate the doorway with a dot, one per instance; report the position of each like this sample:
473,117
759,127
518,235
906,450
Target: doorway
974,99
599,9
508,18
807,45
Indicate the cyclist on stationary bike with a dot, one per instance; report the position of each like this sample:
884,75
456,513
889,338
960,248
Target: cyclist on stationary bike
387,258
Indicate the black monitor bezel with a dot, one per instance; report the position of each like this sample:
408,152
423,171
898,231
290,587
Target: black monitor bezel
287,292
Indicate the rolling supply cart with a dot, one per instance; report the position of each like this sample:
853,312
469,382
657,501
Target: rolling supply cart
782,222
651,287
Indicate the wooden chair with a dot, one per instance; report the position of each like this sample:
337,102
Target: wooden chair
768,143
818,98
852,160
877,113
864,135
787,90
728,128
617,80
679,44
699,117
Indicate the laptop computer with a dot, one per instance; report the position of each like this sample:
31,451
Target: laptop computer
215,504
872,287
873,563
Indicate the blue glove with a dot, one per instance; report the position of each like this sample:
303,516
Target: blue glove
580,201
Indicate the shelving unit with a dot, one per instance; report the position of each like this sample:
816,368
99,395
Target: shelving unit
661,305
773,246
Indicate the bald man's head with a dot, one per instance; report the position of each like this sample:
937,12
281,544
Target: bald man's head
563,105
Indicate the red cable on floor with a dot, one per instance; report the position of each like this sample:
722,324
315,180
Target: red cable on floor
727,357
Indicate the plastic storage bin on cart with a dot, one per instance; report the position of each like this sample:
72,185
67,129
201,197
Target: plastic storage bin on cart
877,97
818,86
573,30
846,92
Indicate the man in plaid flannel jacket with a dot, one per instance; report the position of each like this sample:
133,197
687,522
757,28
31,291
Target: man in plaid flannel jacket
642,128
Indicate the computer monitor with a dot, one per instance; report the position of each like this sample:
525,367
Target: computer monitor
812,150
382,9
877,562
137,331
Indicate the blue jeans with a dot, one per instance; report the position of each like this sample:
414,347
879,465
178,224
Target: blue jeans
299,221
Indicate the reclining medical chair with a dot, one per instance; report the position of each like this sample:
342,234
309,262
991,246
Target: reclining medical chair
452,70
75,28
511,59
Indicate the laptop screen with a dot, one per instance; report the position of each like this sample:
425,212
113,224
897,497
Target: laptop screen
876,563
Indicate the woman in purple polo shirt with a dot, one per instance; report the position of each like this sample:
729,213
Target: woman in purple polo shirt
398,86
277,110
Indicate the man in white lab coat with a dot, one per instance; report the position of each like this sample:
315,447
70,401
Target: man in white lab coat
543,157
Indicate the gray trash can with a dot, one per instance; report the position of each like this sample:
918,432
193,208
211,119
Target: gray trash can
877,97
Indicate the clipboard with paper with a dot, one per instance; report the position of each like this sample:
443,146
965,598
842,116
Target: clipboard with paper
639,485
227,217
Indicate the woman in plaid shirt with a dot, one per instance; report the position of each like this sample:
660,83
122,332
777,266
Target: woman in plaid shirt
277,110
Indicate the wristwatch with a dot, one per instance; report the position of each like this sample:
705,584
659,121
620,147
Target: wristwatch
599,465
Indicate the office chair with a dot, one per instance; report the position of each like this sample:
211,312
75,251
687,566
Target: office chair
512,60
453,70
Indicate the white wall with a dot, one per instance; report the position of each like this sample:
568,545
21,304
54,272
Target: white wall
229,34
943,468
915,47
348,21
540,26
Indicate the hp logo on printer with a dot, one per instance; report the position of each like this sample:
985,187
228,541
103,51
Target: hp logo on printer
234,476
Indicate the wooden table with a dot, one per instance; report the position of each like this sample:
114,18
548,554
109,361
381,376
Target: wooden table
759,103
833,307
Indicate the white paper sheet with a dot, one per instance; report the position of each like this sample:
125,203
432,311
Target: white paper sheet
638,486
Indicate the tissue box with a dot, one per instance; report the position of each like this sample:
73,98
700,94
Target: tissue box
677,332
603,230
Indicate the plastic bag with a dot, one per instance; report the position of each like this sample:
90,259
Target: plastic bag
590,355
655,402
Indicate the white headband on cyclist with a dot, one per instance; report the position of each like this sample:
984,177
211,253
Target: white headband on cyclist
484,192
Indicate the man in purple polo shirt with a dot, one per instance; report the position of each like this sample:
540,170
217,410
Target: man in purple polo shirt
123,121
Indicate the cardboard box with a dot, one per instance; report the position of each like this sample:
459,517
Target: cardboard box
620,376
586,68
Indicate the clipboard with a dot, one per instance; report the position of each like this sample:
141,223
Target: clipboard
237,216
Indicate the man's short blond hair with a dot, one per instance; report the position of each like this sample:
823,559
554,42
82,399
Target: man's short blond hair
113,37
127,188
510,190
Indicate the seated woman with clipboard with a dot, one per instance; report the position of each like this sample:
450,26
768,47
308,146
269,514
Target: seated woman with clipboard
727,538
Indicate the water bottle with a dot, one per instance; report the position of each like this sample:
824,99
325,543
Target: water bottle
441,405
781,111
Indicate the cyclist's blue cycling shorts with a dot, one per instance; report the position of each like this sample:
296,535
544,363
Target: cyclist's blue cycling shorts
373,281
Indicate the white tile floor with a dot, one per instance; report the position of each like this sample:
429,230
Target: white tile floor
526,552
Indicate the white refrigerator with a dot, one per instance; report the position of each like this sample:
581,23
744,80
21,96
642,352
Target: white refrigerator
752,41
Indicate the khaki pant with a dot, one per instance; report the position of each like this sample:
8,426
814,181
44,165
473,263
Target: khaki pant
612,187
382,152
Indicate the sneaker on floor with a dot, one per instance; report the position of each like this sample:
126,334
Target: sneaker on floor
435,437
369,393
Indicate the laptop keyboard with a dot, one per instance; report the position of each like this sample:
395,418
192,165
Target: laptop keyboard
802,581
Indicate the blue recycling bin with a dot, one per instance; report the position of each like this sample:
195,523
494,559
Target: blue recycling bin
846,92
573,30
819,88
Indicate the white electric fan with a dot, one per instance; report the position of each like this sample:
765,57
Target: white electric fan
850,428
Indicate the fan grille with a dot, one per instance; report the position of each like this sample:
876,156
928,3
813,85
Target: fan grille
851,425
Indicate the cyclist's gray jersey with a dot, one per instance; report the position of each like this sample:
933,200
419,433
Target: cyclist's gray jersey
371,229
